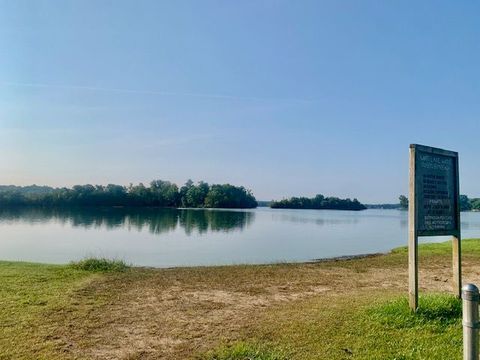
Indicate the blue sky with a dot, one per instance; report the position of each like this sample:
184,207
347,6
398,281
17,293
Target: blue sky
283,97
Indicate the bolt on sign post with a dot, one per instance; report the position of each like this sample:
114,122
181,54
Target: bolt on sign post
433,209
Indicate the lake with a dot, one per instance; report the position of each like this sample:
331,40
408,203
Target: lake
171,237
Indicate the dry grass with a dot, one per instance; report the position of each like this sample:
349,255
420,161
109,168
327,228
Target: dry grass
186,312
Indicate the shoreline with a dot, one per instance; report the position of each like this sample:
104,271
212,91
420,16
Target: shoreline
351,257
273,263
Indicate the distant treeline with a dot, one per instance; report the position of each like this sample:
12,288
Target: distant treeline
469,204
317,203
159,193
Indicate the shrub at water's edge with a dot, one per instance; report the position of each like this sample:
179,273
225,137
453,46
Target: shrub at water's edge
100,265
319,202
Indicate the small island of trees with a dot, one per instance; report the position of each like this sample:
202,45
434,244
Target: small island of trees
158,194
319,202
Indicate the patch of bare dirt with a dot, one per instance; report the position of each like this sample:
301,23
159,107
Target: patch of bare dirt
175,313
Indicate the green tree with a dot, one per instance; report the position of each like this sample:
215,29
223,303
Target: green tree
183,192
229,196
475,204
465,204
195,195
164,193
403,202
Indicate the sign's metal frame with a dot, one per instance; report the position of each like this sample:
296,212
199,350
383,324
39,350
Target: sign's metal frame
414,232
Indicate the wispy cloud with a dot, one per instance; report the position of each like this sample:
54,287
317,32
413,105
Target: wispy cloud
152,92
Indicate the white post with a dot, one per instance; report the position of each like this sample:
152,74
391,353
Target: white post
470,297
457,265
412,238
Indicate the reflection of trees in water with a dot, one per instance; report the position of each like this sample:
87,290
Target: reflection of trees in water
157,221
203,221
193,220
315,220
28,215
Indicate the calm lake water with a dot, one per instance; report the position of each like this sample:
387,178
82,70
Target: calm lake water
169,237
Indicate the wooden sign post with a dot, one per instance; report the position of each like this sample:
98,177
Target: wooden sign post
433,209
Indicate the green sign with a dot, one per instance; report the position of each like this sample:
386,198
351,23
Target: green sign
436,188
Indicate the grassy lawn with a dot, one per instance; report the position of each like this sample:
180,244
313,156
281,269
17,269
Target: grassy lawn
350,309
28,292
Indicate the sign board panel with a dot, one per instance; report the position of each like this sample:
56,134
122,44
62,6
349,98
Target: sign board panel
436,191
433,209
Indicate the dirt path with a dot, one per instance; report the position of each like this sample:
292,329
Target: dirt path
176,313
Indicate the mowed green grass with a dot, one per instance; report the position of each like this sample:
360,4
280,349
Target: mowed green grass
28,293
361,324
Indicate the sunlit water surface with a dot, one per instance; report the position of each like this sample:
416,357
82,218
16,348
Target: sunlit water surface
169,237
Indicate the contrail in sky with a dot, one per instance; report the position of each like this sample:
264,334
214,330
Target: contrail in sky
152,92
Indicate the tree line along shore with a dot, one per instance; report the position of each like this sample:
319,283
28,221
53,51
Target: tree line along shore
160,193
